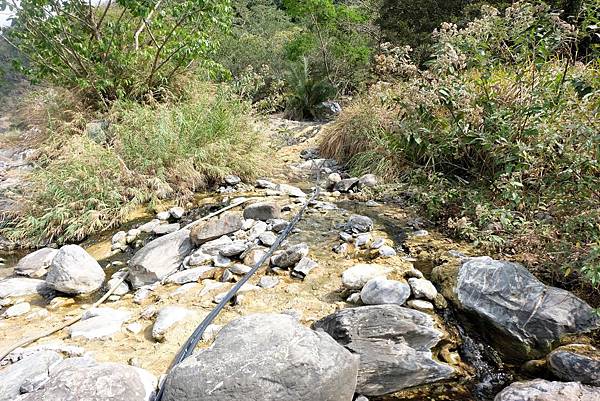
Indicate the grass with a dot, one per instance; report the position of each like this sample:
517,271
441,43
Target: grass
153,152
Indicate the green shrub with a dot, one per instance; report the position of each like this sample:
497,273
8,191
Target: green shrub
306,91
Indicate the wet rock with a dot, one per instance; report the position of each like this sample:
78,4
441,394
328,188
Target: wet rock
159,258
262,211
304,266
419,304
268,282
227,223
275,359
149,226
367,181
576,363
99,323
394,345
523,318
345,185
267,238
74,271
17,310
290,190
357,276
422,288
290,256
177,212
21,287
163,229
167,318
543,390
93,382
233,249
379,291
31,368
359,224
232,180
192,275
36,263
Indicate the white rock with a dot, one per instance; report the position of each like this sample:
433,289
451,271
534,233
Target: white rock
379,291
239,269
422,288
135,327
357,276
167,318
17,310
268,281
386,251
191,275
211,332
176,212
21,286
419,304
119,238
74,271
149,226
221,261
163,215
36,263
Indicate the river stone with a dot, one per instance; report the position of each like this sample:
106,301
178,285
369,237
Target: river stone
214,247
232,179
576,363
274,359
149,226
99,323
240,269
257,229
367,181
96,382
523,317
345,185
17,310
267,238
380,290
74,271
253,255
198,258
359,224
167,318
262,211
122,288
357,276
304,266
233,249
33,367
394,345
163,229
177,212
227,223
192,275
163,216
159,258
422,288
544,390
36,263
265,184
290,256
290,190
268,282
21,287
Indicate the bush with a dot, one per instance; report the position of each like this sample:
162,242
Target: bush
166,151
127,49
498,138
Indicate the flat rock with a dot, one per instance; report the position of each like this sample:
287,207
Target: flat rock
17,310
234,248
36,263
268,282
99,324
262,211
290,256
357,276
576,363
393,343
544,390
367,181
303,267
163,229
274,359
359,224
290,190
345,185
21,287
159,258
192,275
379,290
167,317
227,223
422,288
74,271
34,367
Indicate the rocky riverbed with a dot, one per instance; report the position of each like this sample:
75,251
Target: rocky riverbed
362,301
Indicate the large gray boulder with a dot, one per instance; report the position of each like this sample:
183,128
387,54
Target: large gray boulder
523,318
543,390
227,223
74,271
36,263
394,345
159,258
380,290
22,286
576,363
30,369
95,382
266,357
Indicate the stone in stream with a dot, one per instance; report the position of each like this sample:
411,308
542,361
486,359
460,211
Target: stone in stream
345,185
17,310
232,179
303,267
89,381
167,317
394,345
159,258
22,286
265,184
192,275
422,288
177,212
380,290
36,263
522,317
99,324
544,390
234,248
576,363
357,276
274,359
262,211
149,226
290,190
227,223
163,229
74,271
367,181
31,368
359,224
163,216
267,238
290,256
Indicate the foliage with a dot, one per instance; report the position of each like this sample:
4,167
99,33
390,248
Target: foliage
119,49
498,138
166,151
307,91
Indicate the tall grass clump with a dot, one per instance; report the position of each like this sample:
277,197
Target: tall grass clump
165,151
498,138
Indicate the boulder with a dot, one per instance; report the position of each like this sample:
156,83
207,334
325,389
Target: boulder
290,256
522,317
74,271
345,185
262,211
94,382
227,223
28,369
265,357
159,258
544,390
290,190
576,363
359,224
37,263
357,276
380,290
21,287
394,345
367,181
422,288
163,229
167,317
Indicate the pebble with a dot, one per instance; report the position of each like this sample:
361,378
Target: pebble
167,317
357,276
227,276
221,261
359,224
38,314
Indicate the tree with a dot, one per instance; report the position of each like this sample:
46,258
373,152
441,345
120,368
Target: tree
118,48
